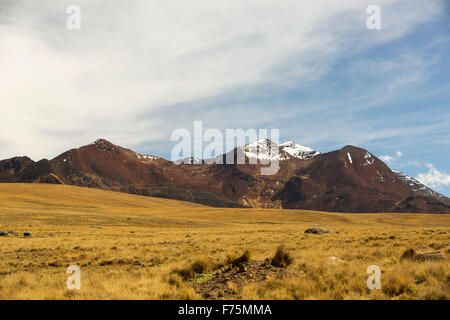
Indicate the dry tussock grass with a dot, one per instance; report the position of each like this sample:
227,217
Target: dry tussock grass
235,260
282,258
129,246
198,266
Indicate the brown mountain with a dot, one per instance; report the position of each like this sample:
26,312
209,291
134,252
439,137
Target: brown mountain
420,189
352,180
23,169
346,180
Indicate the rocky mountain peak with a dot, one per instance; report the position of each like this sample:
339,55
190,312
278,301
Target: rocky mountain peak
104,145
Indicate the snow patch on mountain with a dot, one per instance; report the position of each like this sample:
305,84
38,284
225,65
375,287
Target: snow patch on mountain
298,151
267,150
189,160
145,156
411,182
262,149
369,159
419,187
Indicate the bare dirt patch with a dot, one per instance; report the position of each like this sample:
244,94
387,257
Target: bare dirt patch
227,282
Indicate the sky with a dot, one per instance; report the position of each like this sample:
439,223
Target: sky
137,70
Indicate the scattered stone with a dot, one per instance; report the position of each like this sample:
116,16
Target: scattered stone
27,235
54,264
13,232
317,230
131,231
188,235
116,262
443,246
138,263
412,254
334,260
3,233
429,255
242,268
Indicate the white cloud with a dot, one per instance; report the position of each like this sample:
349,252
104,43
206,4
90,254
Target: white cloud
434,178
386,158
390,159
62,88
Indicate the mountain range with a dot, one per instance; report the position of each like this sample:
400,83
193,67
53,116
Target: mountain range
347,180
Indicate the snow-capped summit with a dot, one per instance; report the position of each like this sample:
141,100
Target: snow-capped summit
298,151
262,149
266,149
189,160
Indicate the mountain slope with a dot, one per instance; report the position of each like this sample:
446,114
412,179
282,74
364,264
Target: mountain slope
107,166
346,180
23,169
419,188
351,180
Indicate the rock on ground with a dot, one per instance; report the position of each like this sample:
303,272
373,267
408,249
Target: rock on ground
317,230
334,260
412,254
429,255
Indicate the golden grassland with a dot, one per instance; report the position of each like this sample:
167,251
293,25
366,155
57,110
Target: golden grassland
129,246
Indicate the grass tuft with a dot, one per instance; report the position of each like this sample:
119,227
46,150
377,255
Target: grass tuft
408,254
198,266
238,260
282,258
